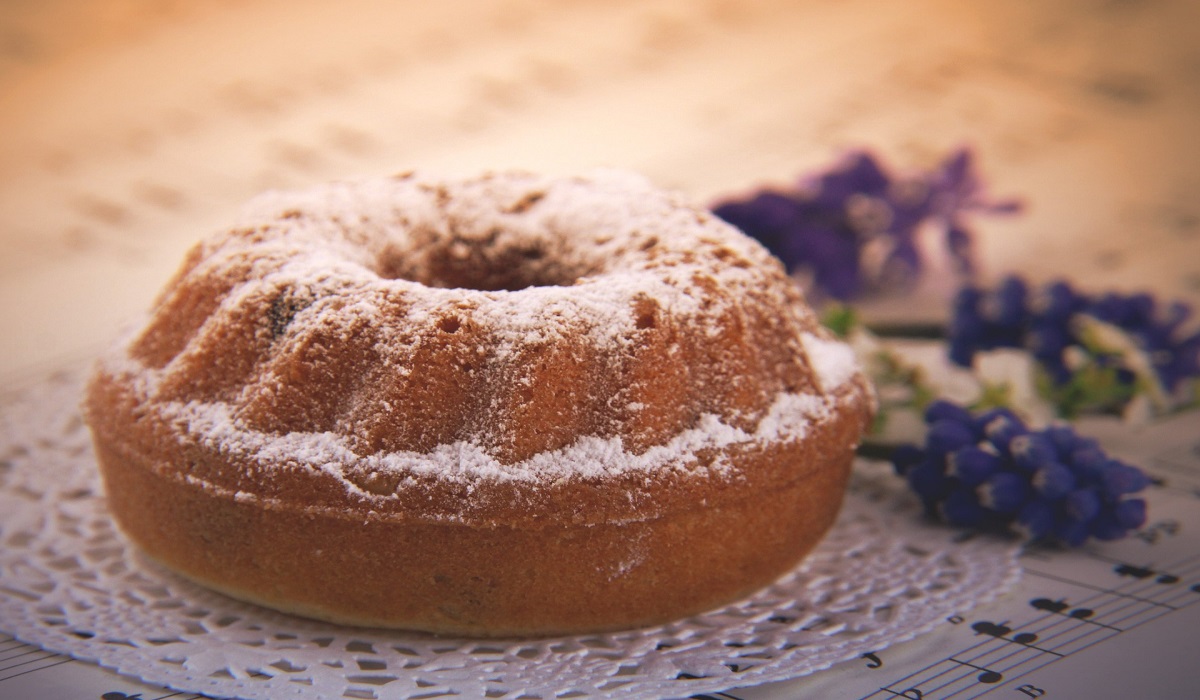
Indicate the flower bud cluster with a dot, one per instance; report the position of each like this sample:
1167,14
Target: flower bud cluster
1096,353
991,471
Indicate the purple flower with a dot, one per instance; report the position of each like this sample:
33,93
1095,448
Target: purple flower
991,471
1049,323
824,225
1053,480
972,465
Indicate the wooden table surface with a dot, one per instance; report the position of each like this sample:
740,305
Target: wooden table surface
130,129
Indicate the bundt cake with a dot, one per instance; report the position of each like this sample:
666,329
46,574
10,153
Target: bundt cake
505,405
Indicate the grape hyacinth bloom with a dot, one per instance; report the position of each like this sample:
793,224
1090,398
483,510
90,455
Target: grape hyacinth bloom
991,471
1096,352
824,226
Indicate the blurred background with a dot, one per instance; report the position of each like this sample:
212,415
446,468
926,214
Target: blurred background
130,128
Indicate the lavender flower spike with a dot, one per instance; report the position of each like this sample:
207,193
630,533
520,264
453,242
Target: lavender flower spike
823,227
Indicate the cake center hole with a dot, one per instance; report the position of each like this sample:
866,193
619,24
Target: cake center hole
490,264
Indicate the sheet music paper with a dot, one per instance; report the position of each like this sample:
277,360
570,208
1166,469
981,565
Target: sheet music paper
128,130
1115,620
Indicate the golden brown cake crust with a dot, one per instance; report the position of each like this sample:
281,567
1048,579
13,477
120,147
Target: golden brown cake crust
712,544
320,417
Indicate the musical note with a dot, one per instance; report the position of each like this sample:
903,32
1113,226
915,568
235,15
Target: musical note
986,675
1151,534
1054,606
1138,572
1060,607
1001,631
873,660
991,628
1143,572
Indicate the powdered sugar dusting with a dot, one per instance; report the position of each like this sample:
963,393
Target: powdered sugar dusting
211,424
833,361
561,234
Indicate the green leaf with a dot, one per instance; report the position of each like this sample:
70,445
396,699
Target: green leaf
840,318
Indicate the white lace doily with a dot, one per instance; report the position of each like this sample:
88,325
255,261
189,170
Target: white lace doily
70,583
